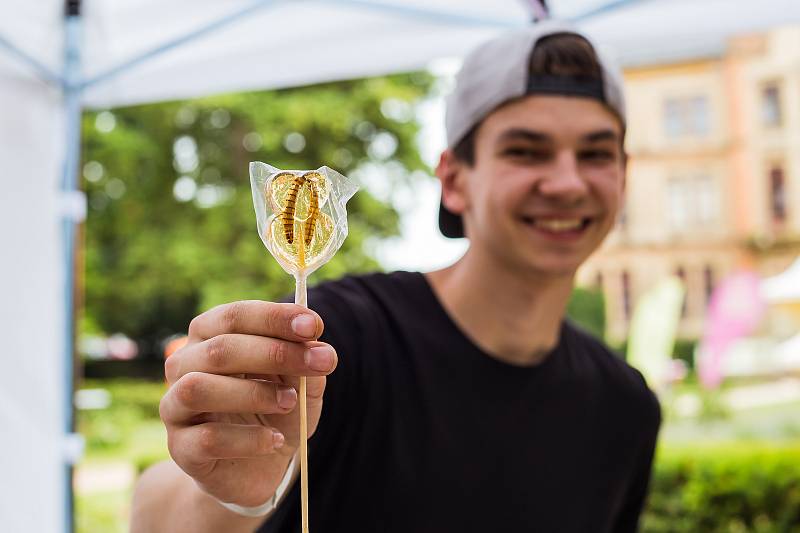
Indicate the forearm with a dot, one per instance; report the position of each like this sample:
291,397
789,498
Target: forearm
168,500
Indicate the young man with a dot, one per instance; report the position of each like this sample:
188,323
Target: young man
462,401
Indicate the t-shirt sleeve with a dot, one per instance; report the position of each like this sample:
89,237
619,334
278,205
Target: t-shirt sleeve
636,496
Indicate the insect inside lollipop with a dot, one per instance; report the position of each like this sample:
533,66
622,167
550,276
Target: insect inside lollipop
300,229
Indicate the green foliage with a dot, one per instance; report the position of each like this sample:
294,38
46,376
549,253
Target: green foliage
158,253
684,350
712,406
587,308
130,425
104,511
741,487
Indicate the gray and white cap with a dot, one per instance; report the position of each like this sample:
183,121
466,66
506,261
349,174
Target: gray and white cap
498,71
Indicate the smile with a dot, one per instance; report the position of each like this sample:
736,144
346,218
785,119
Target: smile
561,229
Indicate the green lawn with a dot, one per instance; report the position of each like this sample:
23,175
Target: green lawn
105,512
125,437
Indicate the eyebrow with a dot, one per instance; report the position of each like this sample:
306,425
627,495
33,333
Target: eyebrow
515,134
601,135
520,134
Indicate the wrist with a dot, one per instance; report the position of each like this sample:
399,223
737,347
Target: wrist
271,503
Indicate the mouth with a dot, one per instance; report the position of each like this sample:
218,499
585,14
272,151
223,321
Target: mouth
562,229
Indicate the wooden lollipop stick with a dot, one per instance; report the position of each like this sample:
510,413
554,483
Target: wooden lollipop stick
301,298
303,456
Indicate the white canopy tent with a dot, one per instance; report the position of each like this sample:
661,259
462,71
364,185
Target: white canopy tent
108,54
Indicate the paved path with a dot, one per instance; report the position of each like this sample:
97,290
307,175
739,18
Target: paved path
103,477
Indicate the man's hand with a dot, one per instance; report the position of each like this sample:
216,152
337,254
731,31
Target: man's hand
230,410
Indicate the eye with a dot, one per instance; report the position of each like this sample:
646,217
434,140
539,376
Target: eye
523,152
597,155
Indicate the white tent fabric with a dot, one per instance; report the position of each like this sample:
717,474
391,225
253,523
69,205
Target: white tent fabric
31,320
275,43
281,43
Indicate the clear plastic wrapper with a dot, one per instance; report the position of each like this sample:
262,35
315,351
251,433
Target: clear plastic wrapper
302,218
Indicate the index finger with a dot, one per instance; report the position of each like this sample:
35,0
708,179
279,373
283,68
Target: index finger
255,317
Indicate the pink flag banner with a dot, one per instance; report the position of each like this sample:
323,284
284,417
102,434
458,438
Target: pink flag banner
735,310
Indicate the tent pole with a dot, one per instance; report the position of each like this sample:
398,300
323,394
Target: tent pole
257,5
605,8
176,42
424,13
73,211
539,10
41,69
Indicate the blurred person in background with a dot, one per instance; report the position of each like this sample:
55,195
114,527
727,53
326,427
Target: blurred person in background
462,400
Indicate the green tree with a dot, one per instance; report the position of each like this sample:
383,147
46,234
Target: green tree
171,227
587,308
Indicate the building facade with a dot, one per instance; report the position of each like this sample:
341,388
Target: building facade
713,176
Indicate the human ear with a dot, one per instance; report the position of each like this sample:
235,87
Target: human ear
450,172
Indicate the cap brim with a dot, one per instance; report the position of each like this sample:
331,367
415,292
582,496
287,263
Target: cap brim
450,224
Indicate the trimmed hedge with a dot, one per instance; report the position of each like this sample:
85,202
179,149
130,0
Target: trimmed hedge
588,309
731,488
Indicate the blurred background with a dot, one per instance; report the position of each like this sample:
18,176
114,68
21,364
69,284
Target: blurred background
698,285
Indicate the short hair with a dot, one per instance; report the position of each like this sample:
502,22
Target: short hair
559,54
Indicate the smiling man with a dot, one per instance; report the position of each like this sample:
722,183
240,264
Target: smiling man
463,401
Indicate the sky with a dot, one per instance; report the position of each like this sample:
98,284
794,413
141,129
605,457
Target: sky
420,245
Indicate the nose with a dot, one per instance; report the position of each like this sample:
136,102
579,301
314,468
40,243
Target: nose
564,183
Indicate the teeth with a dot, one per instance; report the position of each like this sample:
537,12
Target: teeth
566,224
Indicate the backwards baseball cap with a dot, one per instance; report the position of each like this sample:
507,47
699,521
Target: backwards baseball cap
499,71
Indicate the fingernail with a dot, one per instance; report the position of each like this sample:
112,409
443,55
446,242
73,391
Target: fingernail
287,397
319,358
277,440
304,325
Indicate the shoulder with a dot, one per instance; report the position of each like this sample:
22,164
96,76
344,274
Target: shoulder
357,302
620,381
373,281
365,291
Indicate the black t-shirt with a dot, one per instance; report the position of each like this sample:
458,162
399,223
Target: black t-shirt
421,431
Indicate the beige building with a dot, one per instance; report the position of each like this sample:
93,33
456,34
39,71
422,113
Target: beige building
713,178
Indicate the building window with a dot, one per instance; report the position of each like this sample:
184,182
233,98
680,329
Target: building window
692,202
687,117
771,105
708,283
673,121
706,198
699,115
680,272
678,209
627,304
777,195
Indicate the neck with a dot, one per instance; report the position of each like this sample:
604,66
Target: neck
514,317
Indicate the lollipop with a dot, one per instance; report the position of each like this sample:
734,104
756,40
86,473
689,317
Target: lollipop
302,221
